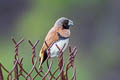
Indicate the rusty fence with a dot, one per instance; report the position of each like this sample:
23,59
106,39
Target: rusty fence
18,70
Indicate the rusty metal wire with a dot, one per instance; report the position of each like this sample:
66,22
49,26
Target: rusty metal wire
19,70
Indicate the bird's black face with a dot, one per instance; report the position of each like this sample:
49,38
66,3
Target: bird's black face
64,22
67,24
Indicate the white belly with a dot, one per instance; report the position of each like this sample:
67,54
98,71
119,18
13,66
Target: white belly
54,50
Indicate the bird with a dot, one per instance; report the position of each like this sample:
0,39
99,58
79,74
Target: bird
58,35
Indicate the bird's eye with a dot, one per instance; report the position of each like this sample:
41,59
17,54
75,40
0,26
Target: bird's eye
65,24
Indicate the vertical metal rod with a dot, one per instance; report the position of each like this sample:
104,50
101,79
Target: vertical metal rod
16,72
16,77
60,66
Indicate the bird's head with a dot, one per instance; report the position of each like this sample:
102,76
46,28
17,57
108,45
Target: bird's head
64,22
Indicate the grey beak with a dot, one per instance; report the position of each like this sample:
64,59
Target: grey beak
70,23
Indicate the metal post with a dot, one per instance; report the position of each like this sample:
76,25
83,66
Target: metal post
16,72
62,77
16,77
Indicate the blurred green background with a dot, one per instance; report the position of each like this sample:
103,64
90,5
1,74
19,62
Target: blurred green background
96,32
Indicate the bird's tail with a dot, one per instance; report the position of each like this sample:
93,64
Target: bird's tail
40,59
43,57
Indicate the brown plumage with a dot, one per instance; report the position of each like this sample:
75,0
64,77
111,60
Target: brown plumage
61,27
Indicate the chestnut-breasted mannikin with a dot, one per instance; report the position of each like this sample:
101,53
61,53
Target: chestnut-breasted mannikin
59,34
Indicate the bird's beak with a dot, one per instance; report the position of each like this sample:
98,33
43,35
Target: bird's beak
70,23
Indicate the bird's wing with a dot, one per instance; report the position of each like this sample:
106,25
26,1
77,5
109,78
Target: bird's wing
50,38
